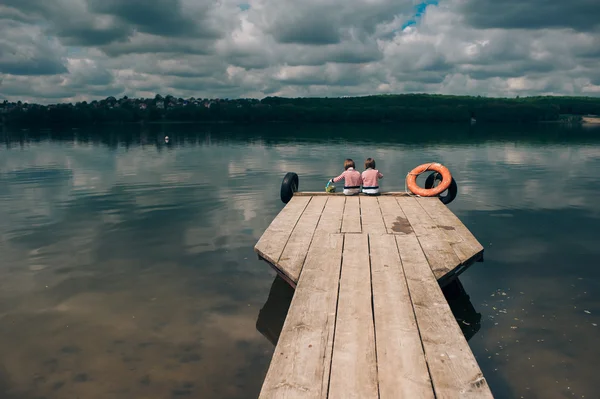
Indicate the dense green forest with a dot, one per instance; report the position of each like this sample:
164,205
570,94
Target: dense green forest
368,109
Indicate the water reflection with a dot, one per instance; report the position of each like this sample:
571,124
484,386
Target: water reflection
464,312
273,313
274,134
96,223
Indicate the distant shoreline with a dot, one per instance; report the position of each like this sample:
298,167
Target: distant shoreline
582,121
384,109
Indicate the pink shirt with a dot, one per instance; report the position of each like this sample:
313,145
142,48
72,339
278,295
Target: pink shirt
370,178
352,178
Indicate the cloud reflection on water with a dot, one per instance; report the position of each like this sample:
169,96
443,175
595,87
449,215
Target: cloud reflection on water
145,252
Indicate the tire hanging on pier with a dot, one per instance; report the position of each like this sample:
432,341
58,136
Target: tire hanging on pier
446,181
452,189
289,186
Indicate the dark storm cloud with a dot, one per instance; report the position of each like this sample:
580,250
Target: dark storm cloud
308,29
323,22
248,61
193,66
12,14
592,52
27,52
14,64
31,66
502,48
158,17
418,57
24,7
101,22
580,15
343,53
69,20
82,49
51,89
81,34
271,52
434,63
90,75
149,44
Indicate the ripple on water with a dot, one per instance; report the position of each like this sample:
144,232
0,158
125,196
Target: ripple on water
129,270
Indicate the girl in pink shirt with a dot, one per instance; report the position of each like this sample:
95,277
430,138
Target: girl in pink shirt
370,177
352,178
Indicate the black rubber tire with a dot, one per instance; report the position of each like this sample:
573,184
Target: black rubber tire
452,189
289,186
431,179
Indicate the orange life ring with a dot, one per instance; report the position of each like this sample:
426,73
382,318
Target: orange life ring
411,179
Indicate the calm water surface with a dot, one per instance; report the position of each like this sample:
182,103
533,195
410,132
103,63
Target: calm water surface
127,267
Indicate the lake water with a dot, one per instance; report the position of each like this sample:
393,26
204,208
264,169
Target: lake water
127,267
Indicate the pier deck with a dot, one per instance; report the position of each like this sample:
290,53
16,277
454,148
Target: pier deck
448,245
368,318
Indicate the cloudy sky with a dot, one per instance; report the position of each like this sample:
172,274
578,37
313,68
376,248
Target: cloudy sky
72,50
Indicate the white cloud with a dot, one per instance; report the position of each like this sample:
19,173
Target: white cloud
94,49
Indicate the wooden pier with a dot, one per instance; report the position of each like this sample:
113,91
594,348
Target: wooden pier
368,318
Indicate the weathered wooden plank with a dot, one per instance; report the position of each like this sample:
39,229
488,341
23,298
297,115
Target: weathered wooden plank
394,218
340,194
463,242
271,243
370,214
351,221
433,240
353,367
301,363
295,251
331,219
402,370
452,366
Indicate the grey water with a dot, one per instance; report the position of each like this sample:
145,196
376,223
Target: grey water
127,267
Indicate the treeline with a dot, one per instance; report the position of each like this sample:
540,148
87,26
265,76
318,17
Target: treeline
369,109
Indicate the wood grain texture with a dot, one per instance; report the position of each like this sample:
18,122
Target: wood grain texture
463,242
434,241
368,318
301,362
452,366
340,194
295,251
331,219
271,243
351,222
402,370
394,218
353,367
370,213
